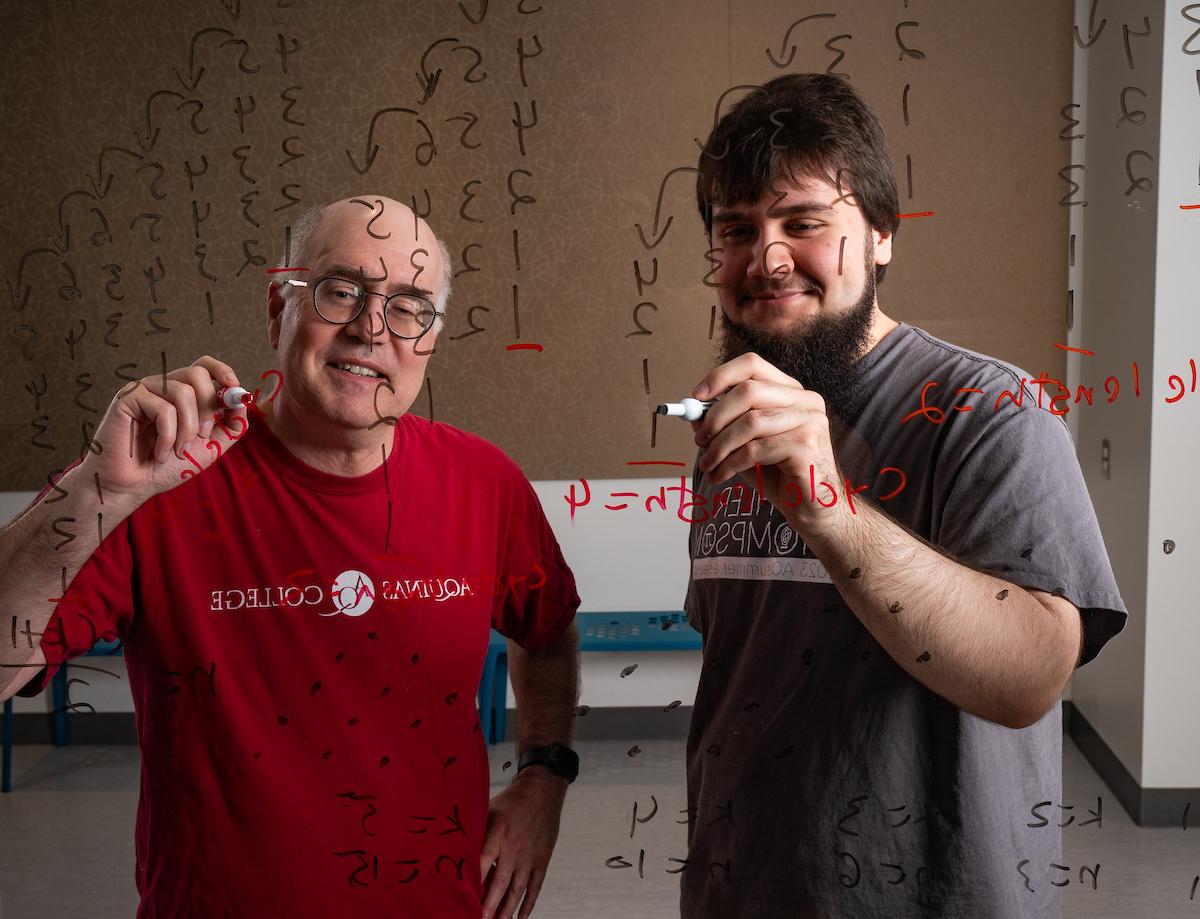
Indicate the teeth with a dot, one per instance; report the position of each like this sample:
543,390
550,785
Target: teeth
357,370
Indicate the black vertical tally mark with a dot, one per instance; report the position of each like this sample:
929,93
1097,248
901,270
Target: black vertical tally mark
904,102
653,429
908,169
517,248
163,355
287,246
99,492
132,435
517,311
712,321
429,392
841,255
646,374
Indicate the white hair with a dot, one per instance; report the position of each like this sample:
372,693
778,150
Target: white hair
302,231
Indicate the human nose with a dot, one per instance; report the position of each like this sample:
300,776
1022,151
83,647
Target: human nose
362,326
773,259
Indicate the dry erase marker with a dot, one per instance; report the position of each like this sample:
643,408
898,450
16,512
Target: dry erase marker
689,409
234,396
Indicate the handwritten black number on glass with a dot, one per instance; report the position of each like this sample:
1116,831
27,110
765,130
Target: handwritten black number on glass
521,124
239,109
152,231
153,276
193,174
30,339
115,271
72,339
518,198
1188,13
1093,32
412,260
284,51
471,119
103,236
291,100
70,290
242,65
1129,32
1143,183
469,197
717,265
242,155
643,282
155,191
427,149
840,54
471,323
371,222
1067,200
1065,133
787,37
199,107
37,392
466,259
83,382
662,187
905,50
113,321
289,153
641,329
1137,116
522,57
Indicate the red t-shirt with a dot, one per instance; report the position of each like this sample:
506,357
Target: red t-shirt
304,651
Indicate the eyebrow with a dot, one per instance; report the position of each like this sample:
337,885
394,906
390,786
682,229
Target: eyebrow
357,274
804,207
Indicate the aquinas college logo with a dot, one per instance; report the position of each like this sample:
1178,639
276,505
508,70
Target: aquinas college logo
352,593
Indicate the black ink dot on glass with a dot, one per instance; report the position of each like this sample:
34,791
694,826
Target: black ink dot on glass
675,704
415,658
385,690
1002,595
450,762
416,724
807,656
582,710
383,762
751,707
1058,592
340,655
895,608
633,751
784,753
372,635
283,719
923,658
451,697
1027,553
714,750
328,753
628,670
352,722
507,765
856,572
316,687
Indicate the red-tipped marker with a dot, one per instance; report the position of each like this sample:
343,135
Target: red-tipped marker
234,396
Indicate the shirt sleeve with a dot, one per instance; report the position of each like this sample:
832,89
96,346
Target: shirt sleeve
98,605
537,599
1018,507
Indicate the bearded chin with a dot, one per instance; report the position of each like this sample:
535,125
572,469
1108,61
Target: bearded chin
821,352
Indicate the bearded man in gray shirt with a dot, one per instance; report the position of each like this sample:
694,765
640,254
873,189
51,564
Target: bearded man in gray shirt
891,600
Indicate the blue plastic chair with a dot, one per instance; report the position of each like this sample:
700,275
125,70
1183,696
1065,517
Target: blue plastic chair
59,727
640,631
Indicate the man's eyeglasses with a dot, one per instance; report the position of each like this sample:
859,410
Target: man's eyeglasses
340,302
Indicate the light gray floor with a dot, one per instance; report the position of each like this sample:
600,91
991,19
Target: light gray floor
66,839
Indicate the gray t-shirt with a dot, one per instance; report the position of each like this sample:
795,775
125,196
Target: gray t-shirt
823,780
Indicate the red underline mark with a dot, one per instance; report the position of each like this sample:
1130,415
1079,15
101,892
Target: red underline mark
1076,350
278,270
917,214
523,346
655,463
1189,207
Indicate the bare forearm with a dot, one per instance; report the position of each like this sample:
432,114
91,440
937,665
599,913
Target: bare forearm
978,641
546,684
37,561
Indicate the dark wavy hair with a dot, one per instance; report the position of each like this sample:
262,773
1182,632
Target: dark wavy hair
800,125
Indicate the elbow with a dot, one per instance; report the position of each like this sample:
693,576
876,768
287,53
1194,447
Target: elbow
1026,712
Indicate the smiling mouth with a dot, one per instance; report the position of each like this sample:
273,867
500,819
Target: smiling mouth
358,370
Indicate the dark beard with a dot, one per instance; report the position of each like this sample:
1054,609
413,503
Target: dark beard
821,353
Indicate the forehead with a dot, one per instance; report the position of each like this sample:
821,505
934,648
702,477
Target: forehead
787,194
360,232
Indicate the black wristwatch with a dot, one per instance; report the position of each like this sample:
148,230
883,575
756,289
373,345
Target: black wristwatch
558,759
